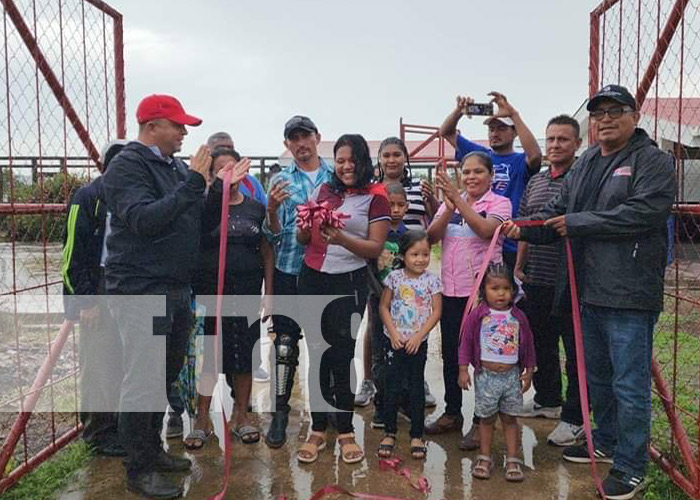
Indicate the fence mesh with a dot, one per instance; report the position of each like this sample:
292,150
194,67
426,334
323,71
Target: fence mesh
61,96
653,46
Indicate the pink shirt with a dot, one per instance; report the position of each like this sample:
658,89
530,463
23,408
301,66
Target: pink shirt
463,251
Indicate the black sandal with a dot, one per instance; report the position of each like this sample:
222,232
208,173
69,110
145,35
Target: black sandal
418,452
386,450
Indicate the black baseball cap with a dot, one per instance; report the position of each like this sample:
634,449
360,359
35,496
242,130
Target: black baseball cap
615,93
298,122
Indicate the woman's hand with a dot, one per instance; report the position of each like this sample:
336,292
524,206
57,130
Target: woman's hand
450,192
240,170
510,230
464,380
333,236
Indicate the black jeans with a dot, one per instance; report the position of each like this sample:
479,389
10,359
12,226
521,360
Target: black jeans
336,330
452,311
399,368
547,328
145,365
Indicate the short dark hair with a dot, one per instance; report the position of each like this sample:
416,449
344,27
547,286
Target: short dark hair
410,238
225,152
364,170
396,189
483,157
566,120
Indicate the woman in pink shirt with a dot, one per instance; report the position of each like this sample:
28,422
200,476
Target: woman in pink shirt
465,224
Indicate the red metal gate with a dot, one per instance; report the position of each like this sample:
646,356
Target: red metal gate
653,47
61,97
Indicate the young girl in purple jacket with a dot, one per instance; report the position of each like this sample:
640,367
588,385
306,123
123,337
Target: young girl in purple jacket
498,343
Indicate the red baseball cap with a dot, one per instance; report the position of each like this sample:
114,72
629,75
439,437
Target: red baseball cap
158,106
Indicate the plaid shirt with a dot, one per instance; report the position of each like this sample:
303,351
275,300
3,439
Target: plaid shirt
289,254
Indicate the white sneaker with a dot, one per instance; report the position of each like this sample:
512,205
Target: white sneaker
537,411
565,434
367,390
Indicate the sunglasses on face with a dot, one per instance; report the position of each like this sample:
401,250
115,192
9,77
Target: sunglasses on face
614,112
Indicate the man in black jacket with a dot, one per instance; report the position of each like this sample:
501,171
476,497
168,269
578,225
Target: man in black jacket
614,205
156,203
82,270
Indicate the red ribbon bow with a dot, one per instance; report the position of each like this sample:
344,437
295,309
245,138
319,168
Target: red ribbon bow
320,213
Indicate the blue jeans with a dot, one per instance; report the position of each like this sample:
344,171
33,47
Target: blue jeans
618,344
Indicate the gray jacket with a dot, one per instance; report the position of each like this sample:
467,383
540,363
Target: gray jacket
617,227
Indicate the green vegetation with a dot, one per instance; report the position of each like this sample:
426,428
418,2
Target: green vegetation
48,479
28,228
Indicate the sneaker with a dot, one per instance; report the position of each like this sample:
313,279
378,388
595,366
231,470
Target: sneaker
377,422
364,397
174,427
565,434
261,375
538,411
621,486
579,455
430,401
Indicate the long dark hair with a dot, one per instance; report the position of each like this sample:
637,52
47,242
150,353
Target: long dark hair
364,170
406,177
500,270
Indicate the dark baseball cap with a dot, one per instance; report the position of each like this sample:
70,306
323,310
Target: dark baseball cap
298,122
616,93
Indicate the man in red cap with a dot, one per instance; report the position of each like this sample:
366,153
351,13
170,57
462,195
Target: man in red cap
156,203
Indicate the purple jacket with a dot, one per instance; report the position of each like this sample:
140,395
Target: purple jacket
470,345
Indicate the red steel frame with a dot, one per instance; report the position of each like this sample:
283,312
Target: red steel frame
29,399
690,481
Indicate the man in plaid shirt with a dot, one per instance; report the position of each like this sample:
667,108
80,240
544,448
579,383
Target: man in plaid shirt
290,188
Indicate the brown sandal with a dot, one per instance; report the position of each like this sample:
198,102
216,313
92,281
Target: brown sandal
348,447
315,443
446,423
515,474
483,464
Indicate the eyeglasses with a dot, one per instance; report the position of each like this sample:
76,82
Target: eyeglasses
614,112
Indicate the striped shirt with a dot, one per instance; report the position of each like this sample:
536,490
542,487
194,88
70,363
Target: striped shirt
288,252
416,217
542,260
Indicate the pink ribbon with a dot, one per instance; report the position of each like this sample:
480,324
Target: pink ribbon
320,215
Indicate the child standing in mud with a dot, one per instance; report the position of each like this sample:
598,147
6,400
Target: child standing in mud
410,306
498,343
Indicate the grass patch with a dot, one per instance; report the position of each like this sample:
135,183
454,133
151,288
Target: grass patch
661,487
46,481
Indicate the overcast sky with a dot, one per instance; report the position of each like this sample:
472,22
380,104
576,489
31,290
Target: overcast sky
354,66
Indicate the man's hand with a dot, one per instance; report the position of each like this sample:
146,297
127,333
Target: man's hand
505,109
463,103
276,195
413,344
510,230
90,318
558,224
201,162
240,170
464,380
519,273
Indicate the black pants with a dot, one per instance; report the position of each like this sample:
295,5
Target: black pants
400,368
145,365
547,329
338,349
452,311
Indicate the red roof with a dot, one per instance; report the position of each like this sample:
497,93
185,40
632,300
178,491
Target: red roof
325,149
668,110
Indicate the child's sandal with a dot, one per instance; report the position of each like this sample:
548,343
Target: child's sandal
308,452
514,474
386,449
418,452
483,464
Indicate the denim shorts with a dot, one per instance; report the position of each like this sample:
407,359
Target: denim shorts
497,392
